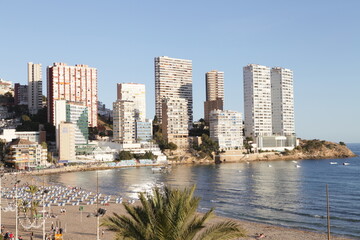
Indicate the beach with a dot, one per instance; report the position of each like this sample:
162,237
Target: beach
77,225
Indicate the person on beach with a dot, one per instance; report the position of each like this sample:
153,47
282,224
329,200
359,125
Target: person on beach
261,235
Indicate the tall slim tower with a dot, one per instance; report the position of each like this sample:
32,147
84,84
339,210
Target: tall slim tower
34,87
124,121
214,85
214,92
257,101
282,95
72,83
134,92
173,79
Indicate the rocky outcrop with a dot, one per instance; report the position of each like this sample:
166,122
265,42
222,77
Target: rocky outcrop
317,149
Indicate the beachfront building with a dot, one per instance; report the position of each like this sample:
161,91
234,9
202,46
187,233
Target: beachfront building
144,130
257,101
214,92
173,79
6,86
76,113
282,98
175,121
34,87
66,135
75,84
9,134
20,94
124,116
226,128
134,92
24,154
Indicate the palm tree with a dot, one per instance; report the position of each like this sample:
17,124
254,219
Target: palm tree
34,208
32,189
169,214
24,206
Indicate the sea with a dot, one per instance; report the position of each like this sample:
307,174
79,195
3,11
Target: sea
284,193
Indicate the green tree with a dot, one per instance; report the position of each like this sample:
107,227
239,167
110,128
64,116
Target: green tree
247,144
342,143
172,146
25,118
169,214
44,145
2,149
149,155
125,155
208,146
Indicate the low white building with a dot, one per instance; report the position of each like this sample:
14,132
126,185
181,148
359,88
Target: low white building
34,136
276,143
226,128
136,148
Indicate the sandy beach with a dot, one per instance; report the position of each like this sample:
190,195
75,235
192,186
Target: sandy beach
77,225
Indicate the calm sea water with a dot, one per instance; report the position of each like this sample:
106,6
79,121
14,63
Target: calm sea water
282,194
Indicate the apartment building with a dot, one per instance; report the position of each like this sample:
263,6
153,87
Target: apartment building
175,121
75,84
34,87
136,93
214,92
124,116
282,98
173,79
257,100
226,128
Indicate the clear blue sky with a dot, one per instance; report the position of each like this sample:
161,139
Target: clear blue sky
318,40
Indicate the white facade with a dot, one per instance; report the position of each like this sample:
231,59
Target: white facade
124,121
257,101
34,87
175,121
226,128
75,84
134,92
173,79
282,96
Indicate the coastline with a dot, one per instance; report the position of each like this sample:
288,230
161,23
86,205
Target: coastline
262,157
76,224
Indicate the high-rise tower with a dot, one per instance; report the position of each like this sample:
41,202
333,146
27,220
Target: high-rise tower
173,79
214,92
34,87
72,83
257,101
282,97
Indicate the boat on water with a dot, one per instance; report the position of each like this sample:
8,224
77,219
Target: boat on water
333,163
294,161
297,166
346,163
269,165
160,169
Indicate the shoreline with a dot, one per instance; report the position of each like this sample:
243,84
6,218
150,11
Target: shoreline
77,225
103,166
